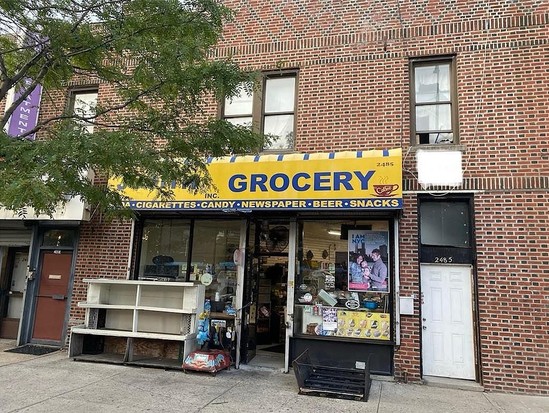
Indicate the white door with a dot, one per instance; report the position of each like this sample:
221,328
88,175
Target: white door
447,321
18,278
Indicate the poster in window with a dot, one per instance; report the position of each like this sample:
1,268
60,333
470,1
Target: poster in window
329,318
362,324
368,260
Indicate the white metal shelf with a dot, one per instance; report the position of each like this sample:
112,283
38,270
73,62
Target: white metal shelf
139,309
132,334
85,304
167,310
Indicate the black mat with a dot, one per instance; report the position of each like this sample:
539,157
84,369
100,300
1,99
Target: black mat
33,349
278,348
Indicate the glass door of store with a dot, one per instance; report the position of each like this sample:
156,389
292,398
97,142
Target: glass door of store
266,289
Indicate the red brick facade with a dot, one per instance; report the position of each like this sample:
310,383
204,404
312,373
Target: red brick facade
354,94
103,250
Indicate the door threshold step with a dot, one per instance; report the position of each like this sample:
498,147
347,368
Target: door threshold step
450,383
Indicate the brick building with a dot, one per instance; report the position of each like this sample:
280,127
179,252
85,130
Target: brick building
457,93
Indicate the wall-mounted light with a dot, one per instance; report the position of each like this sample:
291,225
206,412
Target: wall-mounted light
334,232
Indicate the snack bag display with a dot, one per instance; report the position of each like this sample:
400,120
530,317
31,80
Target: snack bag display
363,324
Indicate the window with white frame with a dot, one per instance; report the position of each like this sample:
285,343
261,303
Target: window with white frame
82,105
434,101
239,109
269,110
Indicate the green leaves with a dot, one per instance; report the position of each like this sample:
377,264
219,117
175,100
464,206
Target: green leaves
158,89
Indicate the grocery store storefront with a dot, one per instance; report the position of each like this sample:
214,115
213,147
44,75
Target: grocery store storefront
295,251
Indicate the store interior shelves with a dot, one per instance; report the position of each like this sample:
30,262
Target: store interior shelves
130,322
263,323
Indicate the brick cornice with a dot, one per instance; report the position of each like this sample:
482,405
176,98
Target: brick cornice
470,28
489,184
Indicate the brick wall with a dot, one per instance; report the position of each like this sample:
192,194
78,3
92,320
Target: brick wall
408,355
512,230
354,94
103,250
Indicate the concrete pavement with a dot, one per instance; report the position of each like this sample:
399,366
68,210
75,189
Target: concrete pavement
53,383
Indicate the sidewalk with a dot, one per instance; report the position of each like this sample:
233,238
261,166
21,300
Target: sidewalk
53,383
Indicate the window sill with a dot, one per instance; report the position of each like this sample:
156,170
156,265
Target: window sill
439,147
278,151
343,339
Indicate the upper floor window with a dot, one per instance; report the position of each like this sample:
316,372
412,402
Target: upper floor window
269,110
434,101
82,104
239,109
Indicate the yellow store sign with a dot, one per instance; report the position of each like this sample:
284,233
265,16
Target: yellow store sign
337,180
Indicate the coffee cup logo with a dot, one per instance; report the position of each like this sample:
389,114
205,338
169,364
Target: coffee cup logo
385,190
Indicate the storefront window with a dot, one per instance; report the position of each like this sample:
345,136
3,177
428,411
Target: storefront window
214,244
343,283
164,249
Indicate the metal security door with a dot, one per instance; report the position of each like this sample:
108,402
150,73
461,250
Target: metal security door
51,302
447,321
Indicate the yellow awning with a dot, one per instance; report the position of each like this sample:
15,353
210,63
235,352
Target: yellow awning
325,181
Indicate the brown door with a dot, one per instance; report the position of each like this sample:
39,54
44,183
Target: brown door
51,304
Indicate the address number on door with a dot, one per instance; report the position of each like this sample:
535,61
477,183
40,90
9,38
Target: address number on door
444,260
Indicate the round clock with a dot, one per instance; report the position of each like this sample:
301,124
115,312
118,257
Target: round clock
206,278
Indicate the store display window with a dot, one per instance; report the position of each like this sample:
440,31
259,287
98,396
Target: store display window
166,246
164,249
343,282
212,260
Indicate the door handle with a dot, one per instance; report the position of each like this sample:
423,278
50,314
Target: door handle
58,297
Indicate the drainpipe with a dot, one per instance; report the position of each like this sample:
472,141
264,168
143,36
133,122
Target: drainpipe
397,281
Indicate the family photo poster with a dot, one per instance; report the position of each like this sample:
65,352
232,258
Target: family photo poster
368,260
